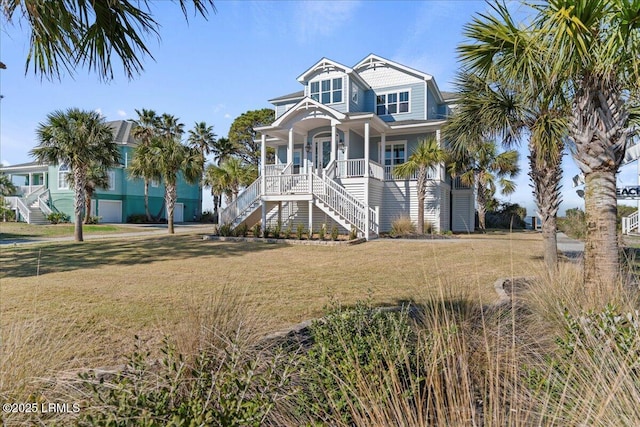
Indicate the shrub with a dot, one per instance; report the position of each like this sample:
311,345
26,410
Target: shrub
322,232
208,216
277,230
573,224
226,387
310,234
58,217
266,232
334,233
226,230
353,234
255,230
93,220
288,231
402,226
242,230
299,231
507,216
137,219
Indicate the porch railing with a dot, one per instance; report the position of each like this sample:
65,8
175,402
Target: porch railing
330,171
629,223
25,190
390,176
459,185
270,170
376,170
287,184
241,203
350,168
43,203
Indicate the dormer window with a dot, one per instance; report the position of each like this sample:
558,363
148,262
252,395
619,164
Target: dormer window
326,91
392,103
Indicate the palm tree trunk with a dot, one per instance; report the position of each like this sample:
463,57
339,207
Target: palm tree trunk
421,189
601,258
146,199
87,208
79,198
481,201
170,196
546,175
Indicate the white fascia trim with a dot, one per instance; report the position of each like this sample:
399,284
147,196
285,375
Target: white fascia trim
382,61
416,125
323,64
307,103
30,168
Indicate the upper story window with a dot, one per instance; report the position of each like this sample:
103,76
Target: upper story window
63,172
112,180
392,103
327,91
395,154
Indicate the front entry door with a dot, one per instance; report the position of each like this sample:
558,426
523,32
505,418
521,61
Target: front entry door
297,161
323,153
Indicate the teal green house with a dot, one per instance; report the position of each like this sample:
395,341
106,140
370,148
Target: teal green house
43,189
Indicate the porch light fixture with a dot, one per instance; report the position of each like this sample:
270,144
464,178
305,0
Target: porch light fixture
341,145
307,147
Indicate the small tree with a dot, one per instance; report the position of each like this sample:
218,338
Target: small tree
427,155
78,139
243,134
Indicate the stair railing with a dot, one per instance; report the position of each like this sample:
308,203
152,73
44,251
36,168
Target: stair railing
43,203
244,200
23,209
629,223
341,201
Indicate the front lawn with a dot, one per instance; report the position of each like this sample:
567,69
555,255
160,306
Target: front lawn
23,231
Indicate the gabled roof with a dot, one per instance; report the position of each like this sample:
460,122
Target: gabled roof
121,130
324,64
374,61
450,96
305,104
295,96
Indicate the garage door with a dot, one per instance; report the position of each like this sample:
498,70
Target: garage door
110,210
178,213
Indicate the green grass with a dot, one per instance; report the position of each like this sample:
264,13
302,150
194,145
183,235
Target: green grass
20,230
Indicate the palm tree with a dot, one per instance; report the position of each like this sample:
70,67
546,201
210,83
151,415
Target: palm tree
145,128
172,158
202,138
592,49
217,180
481,166
76,138
97,177
492,107
170,127
73,33
427,155
230,177
223,148
7,188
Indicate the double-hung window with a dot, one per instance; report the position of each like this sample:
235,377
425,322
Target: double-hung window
394,154
392,103
327,91
63,172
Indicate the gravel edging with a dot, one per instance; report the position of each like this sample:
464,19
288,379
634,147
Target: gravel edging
286,241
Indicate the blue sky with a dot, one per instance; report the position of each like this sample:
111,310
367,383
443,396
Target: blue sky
245,54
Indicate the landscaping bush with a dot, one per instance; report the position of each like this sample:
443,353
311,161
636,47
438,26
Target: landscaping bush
288,231
353,234
93,220
322,232
225,230
242,230
277,230
334,233
573,224
507,216
137,219
58,218
299,231
402,226
255,230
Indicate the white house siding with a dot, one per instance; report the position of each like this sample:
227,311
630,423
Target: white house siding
445,208
463,213
399,198
297,212
355,186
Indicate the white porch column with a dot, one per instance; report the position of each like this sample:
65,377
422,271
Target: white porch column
310,216
30,181
263,165
290,147
264,216
306,154
367,149
383,143
440,169
334,143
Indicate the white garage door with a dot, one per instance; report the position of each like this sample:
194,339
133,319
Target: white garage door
110,210
178,213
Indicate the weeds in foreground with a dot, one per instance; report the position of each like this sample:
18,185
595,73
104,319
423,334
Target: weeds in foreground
545,359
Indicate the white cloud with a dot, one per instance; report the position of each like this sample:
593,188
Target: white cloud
99,111
122,113
227,116
3,162
321,19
